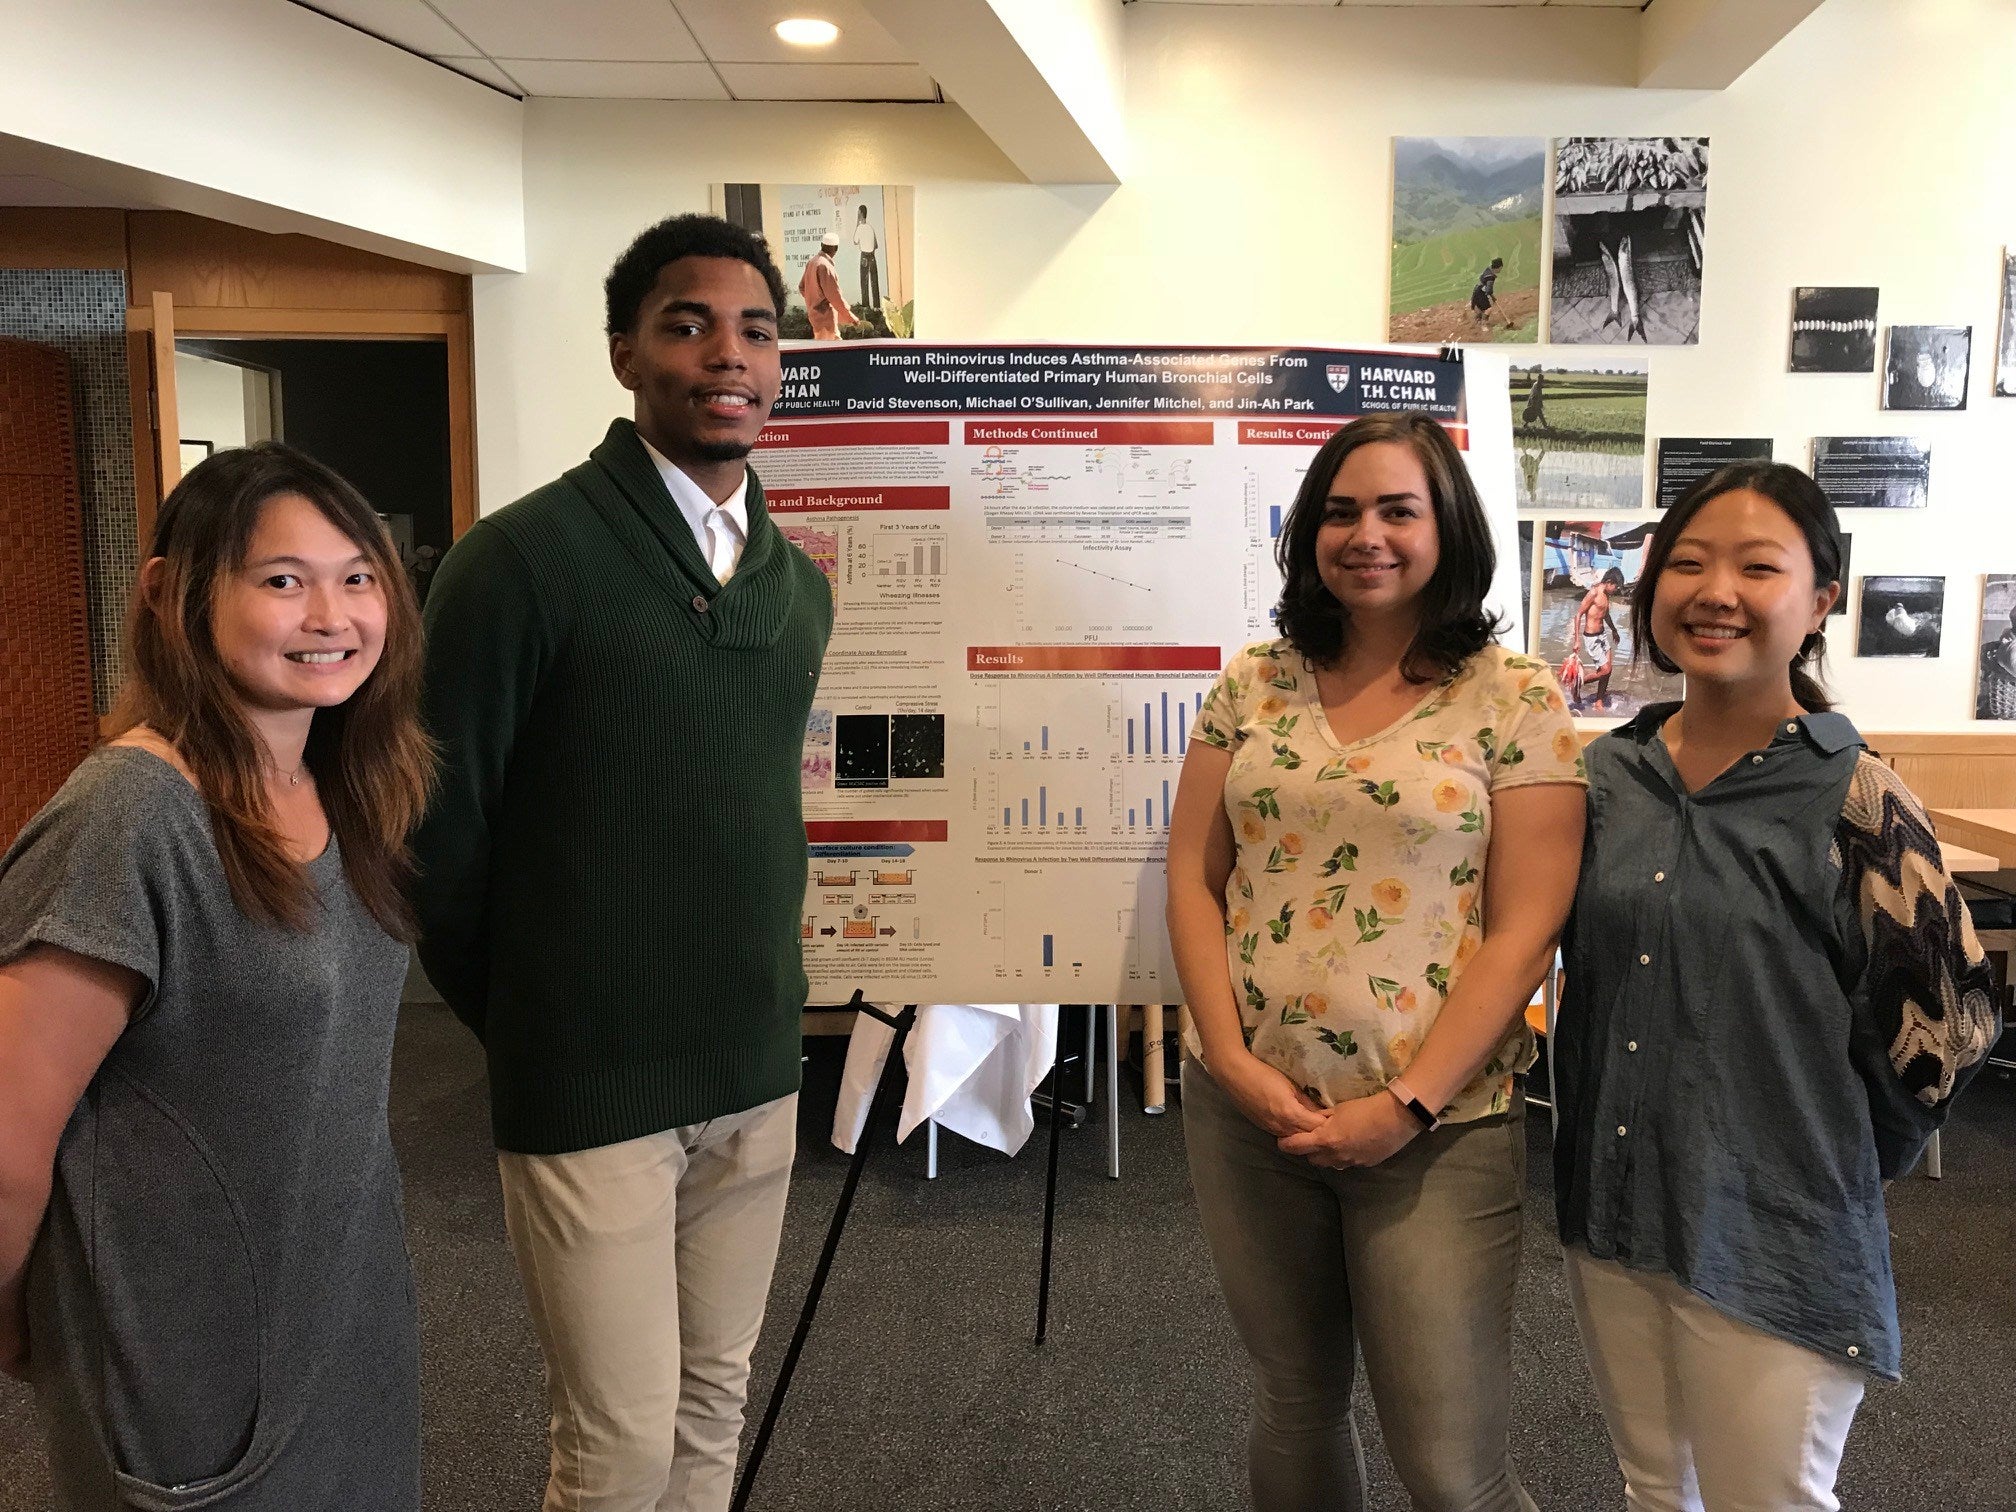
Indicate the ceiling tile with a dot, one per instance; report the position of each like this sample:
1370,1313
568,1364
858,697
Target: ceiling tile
828,81
615,81
627,31
410,24
484,72
739,31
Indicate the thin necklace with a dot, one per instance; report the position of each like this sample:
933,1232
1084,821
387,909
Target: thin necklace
293,777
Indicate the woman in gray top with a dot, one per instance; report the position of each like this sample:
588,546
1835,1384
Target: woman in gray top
202,1270
1774,994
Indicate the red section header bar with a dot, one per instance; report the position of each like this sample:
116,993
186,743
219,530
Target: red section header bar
1288,432
859,831
859,496
1093,659
856,433
1088,433
1316,432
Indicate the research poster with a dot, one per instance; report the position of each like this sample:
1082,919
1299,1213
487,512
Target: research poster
1040,558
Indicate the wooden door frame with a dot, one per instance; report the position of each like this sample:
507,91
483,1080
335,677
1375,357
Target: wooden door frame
451,328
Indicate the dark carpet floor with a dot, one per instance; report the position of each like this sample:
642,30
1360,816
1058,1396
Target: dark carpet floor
921,1390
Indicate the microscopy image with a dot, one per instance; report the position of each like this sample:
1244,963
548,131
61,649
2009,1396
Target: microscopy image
861,751
917,745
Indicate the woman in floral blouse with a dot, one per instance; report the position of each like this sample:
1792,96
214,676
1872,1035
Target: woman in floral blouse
1373,849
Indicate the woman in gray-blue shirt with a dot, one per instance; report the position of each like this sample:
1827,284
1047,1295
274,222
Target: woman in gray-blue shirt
1773,994
202,1270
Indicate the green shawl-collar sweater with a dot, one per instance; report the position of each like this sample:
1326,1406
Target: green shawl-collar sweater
613,870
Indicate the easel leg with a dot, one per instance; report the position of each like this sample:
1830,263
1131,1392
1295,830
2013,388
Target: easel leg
1113,1012
1050,1192
775,1406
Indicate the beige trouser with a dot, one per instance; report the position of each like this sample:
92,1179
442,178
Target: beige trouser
646,1265
1704,1411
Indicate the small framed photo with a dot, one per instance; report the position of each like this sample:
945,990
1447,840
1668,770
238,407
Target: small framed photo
1901,616
1927,369
1833,330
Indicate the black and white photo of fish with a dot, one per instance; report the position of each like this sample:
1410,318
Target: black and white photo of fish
1833,330
1629,233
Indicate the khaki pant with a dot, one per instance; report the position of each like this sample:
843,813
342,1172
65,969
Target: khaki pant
1704,1411
646,1265
1413,1261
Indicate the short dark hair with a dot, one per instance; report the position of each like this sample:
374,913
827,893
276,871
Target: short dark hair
1614,576
1803,500
637,270
1455,626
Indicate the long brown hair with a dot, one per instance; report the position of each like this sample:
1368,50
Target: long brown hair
372,762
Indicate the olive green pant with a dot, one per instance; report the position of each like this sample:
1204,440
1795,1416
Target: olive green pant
1412,1262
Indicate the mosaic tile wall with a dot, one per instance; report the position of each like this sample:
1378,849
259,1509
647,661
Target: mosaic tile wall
82,312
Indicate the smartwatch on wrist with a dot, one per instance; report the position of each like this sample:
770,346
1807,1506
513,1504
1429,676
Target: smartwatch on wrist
1405,1095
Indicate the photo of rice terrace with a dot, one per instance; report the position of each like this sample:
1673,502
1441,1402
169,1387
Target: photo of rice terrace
1466,238
1578,430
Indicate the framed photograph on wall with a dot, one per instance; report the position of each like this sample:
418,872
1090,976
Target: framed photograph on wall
2005,348
1588,574
1901,616
1833,330
1629,229
1578,431
1466,238
1995,682
846,252
1927,368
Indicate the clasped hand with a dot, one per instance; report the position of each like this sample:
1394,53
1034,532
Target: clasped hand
1361,1132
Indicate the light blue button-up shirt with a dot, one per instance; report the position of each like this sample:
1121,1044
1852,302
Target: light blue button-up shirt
1772,994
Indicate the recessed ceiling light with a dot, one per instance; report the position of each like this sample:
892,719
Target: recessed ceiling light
807,31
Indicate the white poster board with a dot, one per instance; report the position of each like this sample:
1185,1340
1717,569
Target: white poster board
1041,556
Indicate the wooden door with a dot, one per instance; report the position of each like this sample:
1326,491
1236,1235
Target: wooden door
46,718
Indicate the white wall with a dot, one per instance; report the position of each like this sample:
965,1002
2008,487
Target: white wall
1873,146
266,114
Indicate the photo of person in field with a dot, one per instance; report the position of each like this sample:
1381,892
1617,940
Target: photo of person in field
1578,430
1466,238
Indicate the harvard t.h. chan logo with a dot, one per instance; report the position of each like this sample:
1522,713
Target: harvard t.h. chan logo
1340,376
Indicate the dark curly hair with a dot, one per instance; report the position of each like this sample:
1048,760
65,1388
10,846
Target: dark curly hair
637,270
1802,499
1455,625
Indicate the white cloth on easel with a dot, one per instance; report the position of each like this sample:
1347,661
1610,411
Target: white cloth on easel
972,1067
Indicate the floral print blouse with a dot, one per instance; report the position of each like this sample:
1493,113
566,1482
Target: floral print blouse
1356,894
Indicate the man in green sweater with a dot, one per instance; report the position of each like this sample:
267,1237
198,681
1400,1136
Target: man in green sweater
619,668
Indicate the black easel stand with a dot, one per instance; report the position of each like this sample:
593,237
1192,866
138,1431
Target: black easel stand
1050,1188
901,1023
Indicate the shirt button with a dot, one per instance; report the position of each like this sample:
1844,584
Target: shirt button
1622,1131
1791,727
1658,876
700,602
1853,1351
1756,761
1644,960
1632,1047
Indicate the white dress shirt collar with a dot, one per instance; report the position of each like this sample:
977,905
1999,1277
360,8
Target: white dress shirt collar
695,507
